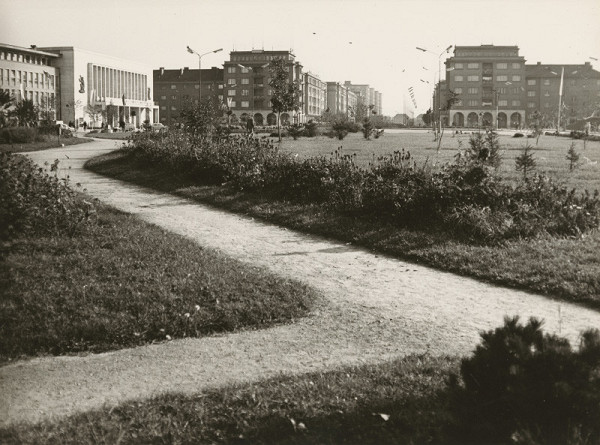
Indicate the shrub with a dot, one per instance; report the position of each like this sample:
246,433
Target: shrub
295,130
518,135
524,386
34,202
18,135
367,129
311,129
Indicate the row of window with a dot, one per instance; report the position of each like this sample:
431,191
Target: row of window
475,78
476,103
46,100
28,79
23,58
232,104
475,65
206,86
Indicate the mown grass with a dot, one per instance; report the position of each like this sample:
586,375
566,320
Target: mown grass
350,405
566,268
120,282
50,142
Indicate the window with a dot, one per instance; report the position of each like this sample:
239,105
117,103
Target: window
516,78
516,65
245,93
473,90
231,82
232,104
546,81
501,78
473,78
231,92
458,90
472,66
458,66
231,69
501,66
245,104
546,93
220,86
245,81
516,103
163,107
163,97
530,104
245,70
531,82
473,103
458,78
173,87
197,87
221,97
173,108
530,93
502,103
459,103
174,97
515,90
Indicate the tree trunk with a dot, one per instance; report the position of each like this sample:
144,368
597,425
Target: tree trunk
279,124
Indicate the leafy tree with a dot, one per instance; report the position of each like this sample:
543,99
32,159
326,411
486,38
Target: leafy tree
201,119
428,117
367,129
572,157
525,162
286,94
536,125
6,101
26,113
5,97
96,113
451,97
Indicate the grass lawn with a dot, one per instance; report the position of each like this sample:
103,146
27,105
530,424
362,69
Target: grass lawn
549,153
120,282
52,142
565,268
349,405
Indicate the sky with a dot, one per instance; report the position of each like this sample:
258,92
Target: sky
371,42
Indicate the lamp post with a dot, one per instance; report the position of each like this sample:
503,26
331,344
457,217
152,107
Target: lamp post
439,98
191,51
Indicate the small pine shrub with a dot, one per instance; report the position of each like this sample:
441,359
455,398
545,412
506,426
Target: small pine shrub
525,162
367,129
311,129
572,157
295,131
340,129
524,386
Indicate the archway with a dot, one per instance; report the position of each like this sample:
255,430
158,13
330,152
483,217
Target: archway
472,120
271,119
487,120
458,120
244,117
515,120
502,120
258,119
285,119
233,119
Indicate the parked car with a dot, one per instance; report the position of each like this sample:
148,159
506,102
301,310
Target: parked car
158,127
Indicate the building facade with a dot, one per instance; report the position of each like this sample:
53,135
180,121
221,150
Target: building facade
175,89
29,73
247,91
102,90
490,81
315,96
341,99
580,92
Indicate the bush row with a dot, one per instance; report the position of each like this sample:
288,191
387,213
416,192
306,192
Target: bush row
26,135
35,202
465,197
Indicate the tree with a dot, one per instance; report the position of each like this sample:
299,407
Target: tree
6,102
95,113
572,157
26,113
451,97
536,125
367,129
428,117
286,95
525,161
201,119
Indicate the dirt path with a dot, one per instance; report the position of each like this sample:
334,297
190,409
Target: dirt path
375,308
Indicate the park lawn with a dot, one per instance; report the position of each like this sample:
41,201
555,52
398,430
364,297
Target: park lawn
51,142
565,268
120,282
403,401
549,153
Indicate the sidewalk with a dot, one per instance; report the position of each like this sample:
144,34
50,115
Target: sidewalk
375,308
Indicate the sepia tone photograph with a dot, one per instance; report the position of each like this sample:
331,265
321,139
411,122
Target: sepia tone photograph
311,222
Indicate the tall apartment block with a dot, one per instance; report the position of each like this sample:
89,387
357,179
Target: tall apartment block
174,89
315,96
341,99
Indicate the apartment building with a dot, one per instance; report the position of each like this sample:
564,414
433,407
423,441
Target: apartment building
580,92
174,89
490,81
315,96
341,99
29,73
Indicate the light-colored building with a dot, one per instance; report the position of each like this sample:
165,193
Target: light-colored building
30,73
315,96
100,89
341,99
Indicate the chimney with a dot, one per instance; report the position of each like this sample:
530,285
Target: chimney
181,71
162,70
186,68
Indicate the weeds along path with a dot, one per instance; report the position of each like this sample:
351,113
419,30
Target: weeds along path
374,308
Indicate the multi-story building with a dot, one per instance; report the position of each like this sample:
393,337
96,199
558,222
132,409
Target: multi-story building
29,73
75,85
490,81
341,99
175,89
247,90
378,103
315,96
580,93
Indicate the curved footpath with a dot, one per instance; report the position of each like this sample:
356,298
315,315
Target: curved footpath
375,308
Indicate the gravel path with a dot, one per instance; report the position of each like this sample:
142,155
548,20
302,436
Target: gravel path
375,308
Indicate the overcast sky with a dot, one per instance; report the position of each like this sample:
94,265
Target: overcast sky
361,41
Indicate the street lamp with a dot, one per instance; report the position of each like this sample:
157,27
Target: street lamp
439,81
191,51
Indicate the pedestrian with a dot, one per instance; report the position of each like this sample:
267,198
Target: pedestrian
84,126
